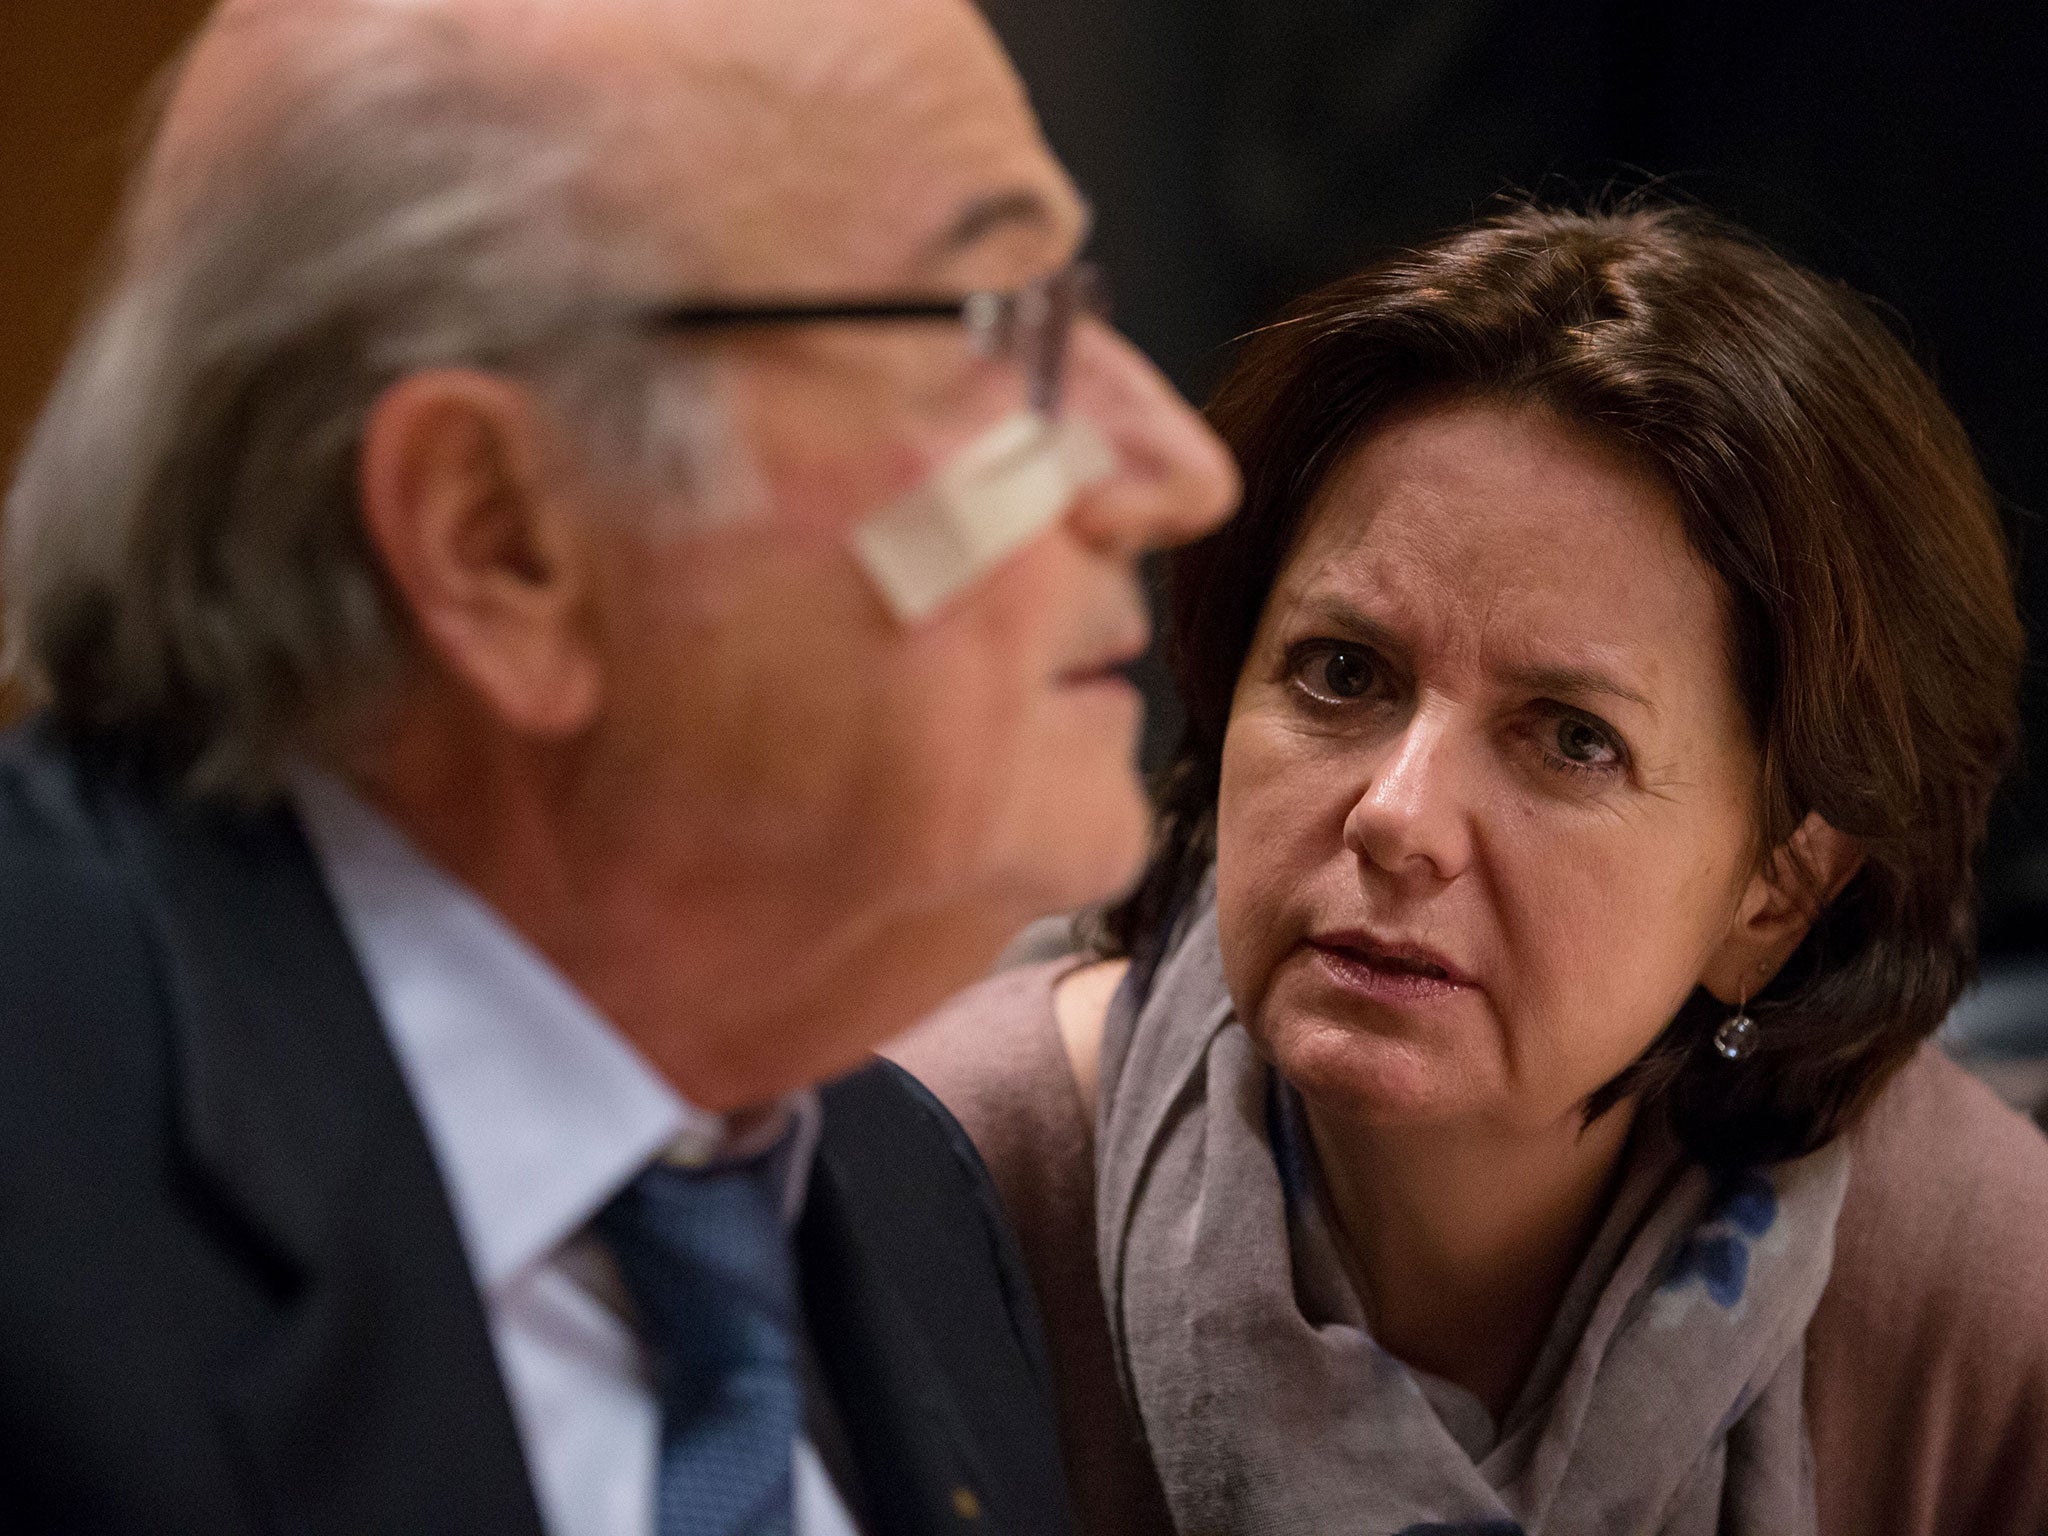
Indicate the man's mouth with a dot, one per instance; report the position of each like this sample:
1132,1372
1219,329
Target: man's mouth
1106,672
1114,665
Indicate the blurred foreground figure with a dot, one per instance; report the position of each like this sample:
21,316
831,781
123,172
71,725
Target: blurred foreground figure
576,578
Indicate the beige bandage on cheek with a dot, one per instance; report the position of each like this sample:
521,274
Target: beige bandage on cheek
980,506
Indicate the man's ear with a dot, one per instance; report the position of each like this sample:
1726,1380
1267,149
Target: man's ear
466,502
1781,902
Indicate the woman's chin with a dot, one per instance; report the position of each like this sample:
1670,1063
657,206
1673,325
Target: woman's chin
1376,1079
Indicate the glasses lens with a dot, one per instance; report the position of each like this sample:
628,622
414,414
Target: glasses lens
1047,314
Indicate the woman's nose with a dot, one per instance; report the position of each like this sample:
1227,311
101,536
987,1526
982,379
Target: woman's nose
1409,820
1174,480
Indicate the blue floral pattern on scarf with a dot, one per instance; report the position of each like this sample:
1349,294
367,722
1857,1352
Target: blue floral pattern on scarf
1716,1252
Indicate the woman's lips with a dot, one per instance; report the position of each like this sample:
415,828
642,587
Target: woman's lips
1386,972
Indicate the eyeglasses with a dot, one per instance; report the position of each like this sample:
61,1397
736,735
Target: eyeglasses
1029,326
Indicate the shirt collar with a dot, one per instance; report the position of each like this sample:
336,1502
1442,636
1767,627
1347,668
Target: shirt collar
537,1109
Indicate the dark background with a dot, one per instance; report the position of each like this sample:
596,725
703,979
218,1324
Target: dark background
1239,152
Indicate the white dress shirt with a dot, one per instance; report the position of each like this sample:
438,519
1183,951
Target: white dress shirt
538,1112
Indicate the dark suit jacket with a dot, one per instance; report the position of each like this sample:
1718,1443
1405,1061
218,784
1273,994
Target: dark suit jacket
232,1297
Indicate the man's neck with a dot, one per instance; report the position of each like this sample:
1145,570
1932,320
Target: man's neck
736,988
1462,1243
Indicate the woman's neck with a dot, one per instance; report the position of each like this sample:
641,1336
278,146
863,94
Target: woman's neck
1462,1243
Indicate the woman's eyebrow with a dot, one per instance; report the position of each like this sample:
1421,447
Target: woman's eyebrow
1333,613
1570,682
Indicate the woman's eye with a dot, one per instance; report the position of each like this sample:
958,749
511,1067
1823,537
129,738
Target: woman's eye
1584,745
1336,673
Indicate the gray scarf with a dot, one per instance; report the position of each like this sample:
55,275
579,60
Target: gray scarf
1667,1397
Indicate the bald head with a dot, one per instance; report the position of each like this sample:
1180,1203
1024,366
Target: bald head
728,128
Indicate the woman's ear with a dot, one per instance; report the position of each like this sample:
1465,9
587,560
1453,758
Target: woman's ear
467,503
1782,900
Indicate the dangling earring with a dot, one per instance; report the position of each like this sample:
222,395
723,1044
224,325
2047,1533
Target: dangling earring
1736,1037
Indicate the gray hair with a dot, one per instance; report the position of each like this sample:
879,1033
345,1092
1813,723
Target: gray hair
185,564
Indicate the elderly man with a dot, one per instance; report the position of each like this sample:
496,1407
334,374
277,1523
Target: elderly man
578,575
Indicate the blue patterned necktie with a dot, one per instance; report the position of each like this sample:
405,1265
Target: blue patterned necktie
707,1262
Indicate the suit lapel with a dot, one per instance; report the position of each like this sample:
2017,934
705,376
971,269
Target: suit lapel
911,1452
374,1404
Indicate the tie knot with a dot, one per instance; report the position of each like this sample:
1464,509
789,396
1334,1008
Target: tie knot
705,1258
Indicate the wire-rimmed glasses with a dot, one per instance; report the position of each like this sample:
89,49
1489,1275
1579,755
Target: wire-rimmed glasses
1030,326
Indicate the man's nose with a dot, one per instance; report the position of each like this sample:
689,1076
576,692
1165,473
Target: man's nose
1174,479
1409,820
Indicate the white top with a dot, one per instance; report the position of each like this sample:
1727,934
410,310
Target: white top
538,1112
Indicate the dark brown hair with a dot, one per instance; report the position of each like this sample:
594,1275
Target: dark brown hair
1818,473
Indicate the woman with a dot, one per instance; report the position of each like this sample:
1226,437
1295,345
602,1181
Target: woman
1502,1106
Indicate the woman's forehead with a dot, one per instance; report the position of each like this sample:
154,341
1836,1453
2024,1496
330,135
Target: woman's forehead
1501,534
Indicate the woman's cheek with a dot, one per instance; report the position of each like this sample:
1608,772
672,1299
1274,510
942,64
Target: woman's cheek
1269,852
1252,913
1596,981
